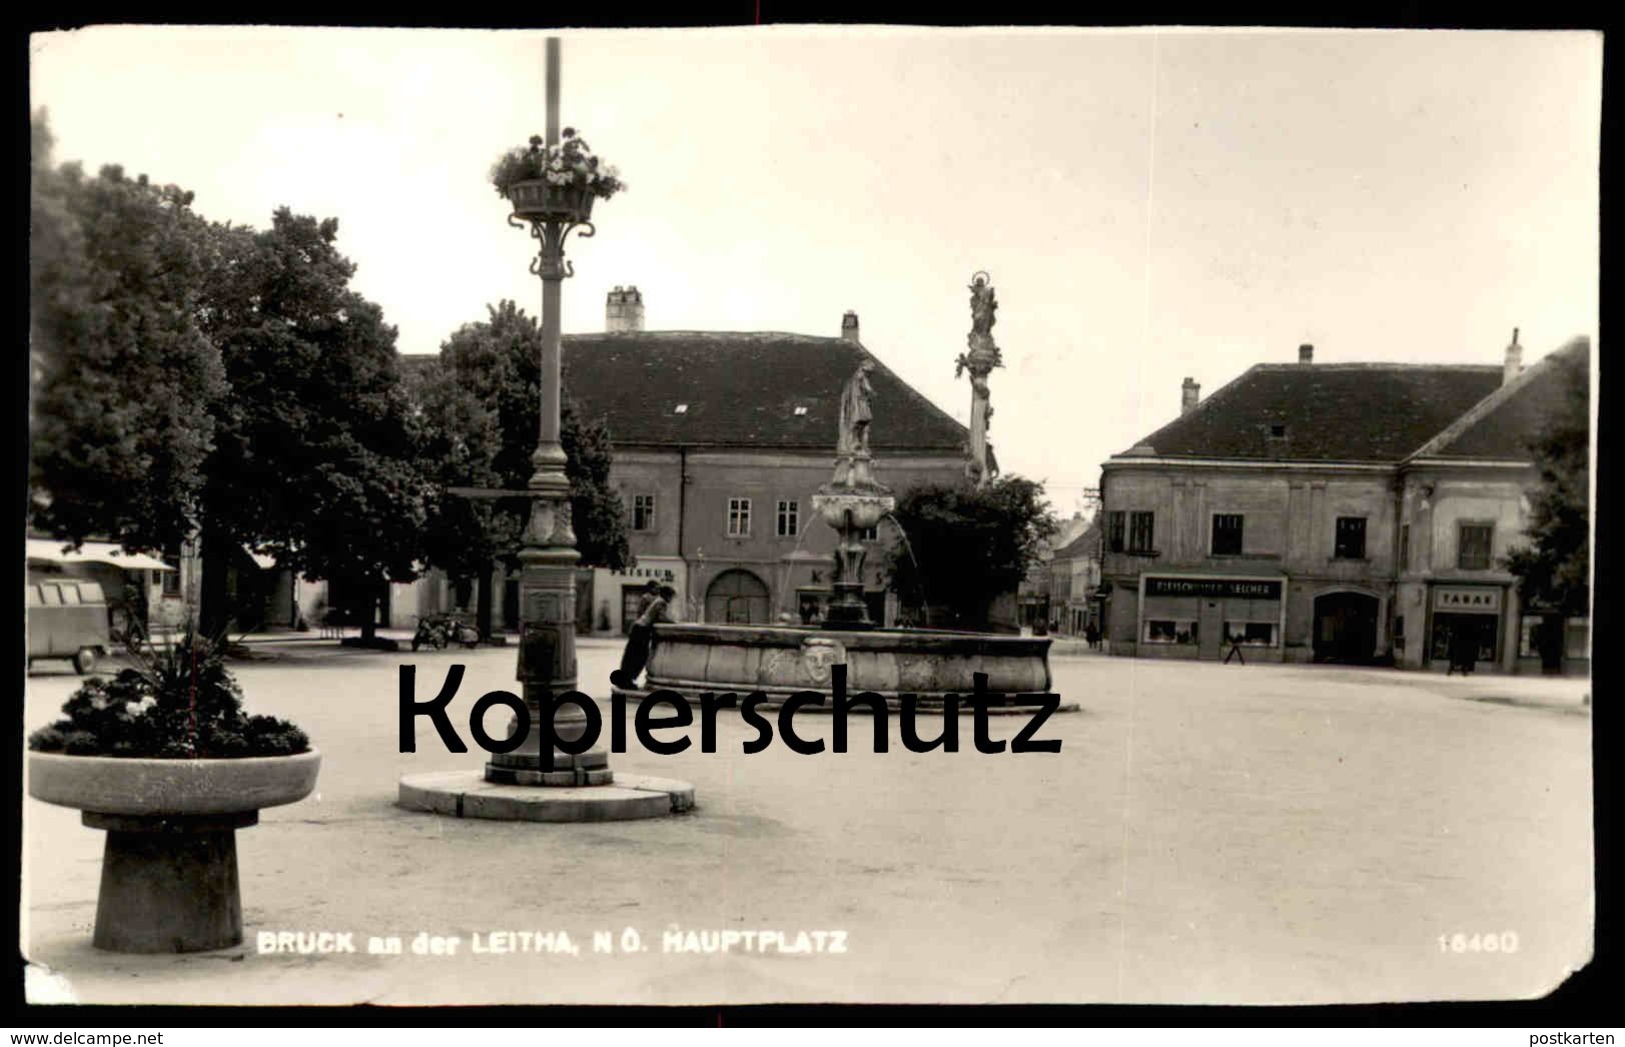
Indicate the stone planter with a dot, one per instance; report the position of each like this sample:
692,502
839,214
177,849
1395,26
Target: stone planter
169,868
541,201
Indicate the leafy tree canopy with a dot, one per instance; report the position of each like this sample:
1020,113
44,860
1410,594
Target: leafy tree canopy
1554,568
485,422
965,546
317,452
123,378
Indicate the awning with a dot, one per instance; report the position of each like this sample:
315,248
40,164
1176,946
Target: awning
45,550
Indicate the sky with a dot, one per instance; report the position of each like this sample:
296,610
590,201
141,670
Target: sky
1150,204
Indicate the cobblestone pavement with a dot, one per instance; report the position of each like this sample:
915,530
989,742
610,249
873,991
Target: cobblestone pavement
1206,834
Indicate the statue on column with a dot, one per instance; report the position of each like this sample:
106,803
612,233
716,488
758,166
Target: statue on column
979,359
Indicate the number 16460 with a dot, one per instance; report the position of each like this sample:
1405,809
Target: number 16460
1506,941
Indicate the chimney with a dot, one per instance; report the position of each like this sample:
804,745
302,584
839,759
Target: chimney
623,310
1514,360
1306,354
849,326
1189,394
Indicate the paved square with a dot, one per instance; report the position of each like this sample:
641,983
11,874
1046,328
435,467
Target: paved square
1217,834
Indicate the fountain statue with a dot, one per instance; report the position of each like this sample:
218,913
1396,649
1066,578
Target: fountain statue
852,502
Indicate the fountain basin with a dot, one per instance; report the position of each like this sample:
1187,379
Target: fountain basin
780,660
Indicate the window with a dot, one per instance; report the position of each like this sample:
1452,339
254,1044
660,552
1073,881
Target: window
738,517
1473,546
680,409
1350,538
801,409
1141,531
1278,430
1114,531
1170,631
643,512
789,518
1227,534
1404,547
172,579
1251,634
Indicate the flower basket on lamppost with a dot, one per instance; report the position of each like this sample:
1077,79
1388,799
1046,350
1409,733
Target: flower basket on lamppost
163,758
554,183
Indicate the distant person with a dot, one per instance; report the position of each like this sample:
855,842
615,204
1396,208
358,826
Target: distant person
1091,635
636,654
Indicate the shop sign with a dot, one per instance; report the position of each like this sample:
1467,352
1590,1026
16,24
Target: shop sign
1227,588
662,574
1485,601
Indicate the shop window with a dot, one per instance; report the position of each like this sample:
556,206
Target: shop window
1115,531
1251,634
738,517
1227,534
1141,531
1577,638
1350,538
1473,542
789,518
1163,630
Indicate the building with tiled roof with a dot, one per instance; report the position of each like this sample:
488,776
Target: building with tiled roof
1343,512
720,440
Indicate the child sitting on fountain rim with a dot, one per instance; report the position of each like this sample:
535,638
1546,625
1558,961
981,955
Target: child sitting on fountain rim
636,654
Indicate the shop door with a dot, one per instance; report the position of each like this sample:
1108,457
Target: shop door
631,596
1481,627
1345,627
1209,630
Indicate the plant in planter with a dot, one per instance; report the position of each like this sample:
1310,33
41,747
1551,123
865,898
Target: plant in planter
554,183
163,757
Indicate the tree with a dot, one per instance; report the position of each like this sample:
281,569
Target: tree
966,546
484,423
316,459
123,380
1554,569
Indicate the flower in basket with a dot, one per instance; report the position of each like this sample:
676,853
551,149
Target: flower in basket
570,164
180,702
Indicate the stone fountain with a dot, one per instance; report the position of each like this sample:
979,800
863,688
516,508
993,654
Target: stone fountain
693,659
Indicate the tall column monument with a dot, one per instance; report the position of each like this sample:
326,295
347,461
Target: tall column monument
979,359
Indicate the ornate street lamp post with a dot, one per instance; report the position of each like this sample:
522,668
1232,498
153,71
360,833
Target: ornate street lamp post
547,555
528,783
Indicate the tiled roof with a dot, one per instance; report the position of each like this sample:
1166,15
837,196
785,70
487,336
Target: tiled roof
741,389
1086,544
1324,413
1501,426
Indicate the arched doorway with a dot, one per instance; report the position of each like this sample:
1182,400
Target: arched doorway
1345,627
737,597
